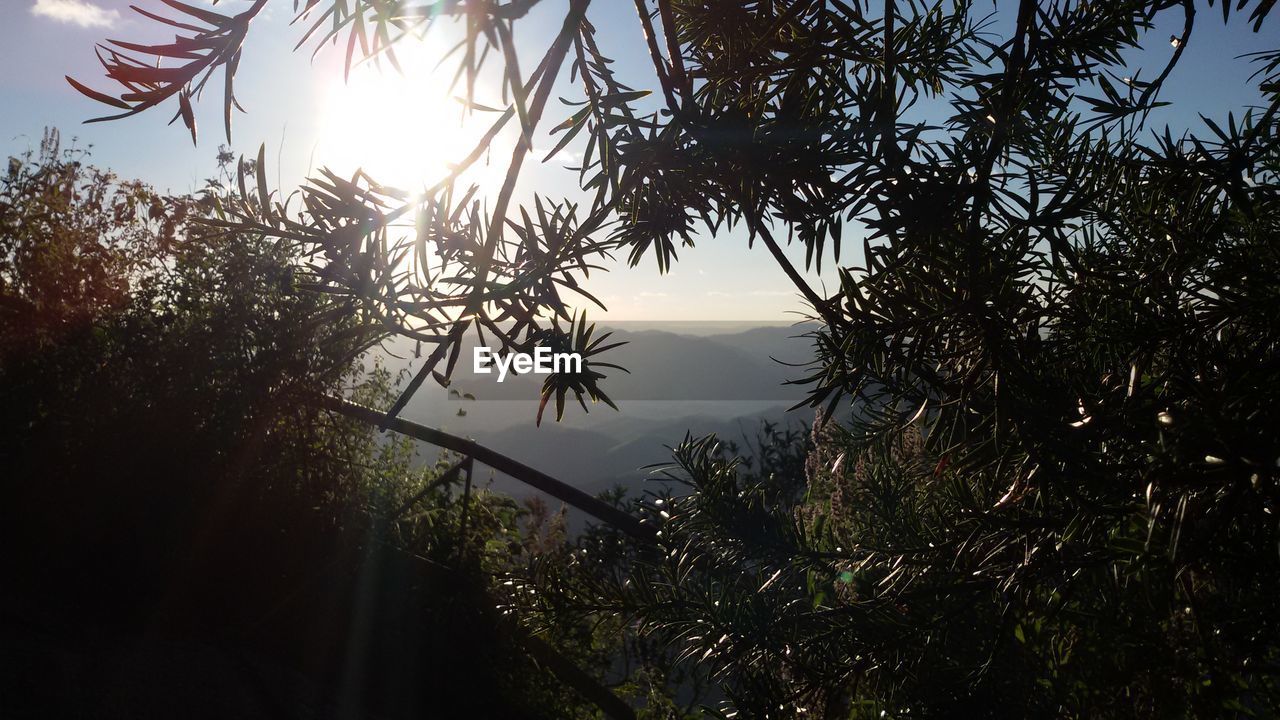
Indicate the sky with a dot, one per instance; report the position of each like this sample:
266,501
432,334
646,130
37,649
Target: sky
404,128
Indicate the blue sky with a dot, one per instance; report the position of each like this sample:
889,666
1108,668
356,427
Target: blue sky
306,117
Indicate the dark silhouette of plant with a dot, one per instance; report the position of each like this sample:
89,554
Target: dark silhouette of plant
75,241
184,528
1056,493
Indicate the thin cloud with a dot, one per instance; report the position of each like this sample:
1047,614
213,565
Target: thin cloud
78,12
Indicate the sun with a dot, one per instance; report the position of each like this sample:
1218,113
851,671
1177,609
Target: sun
405,129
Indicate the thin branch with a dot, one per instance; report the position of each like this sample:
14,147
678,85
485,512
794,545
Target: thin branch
555,58
889,90
660,65
1000,133
562,491
1188,22
669,34
811,296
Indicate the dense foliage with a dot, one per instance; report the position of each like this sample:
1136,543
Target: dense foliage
185,533
1057,492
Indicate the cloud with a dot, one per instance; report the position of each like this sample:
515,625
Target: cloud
79,12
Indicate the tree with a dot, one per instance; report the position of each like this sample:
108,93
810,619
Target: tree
1057,491
184,528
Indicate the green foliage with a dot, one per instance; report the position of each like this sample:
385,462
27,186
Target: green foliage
167,474
805,117
719,541
76,242
1056,492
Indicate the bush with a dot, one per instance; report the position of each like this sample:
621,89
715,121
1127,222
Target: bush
183,528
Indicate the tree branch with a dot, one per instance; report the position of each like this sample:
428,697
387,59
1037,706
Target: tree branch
655,55
589,504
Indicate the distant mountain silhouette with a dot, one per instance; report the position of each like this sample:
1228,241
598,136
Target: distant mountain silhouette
596,461
668,366
725,383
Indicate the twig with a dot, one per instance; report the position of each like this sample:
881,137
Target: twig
589,504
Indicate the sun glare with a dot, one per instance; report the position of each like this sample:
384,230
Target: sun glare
405,129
